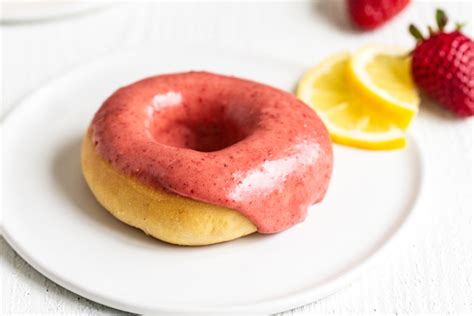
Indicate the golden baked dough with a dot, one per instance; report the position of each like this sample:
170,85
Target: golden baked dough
166,216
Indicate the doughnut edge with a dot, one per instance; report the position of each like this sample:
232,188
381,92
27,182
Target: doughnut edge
165,216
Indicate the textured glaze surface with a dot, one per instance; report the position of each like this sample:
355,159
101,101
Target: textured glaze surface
221,140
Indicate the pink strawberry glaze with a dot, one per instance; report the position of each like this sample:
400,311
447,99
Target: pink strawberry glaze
220,140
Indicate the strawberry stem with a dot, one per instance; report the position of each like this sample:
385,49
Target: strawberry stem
459,26
415,32
441,19
430,30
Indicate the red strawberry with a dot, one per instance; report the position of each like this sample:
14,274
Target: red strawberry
443,66
370,14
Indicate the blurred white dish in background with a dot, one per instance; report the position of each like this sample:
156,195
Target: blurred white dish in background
25,11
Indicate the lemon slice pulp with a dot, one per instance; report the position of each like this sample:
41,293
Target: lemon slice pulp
382,74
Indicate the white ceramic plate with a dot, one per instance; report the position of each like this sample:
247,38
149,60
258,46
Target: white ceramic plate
52,220
25,11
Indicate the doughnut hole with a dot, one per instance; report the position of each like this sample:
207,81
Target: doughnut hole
212,128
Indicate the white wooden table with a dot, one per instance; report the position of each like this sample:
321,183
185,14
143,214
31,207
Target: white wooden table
429,270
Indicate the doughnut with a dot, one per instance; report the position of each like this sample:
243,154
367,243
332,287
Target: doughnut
197,158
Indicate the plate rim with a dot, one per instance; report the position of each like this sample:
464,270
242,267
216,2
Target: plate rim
276,304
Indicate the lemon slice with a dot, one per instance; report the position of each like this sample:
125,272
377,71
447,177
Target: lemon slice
348,117
382,74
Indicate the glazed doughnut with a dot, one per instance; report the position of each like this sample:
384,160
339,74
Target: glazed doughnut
198,158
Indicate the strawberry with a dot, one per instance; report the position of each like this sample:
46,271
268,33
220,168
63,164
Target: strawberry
370,14
443,66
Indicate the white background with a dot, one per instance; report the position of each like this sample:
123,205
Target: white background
430,270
